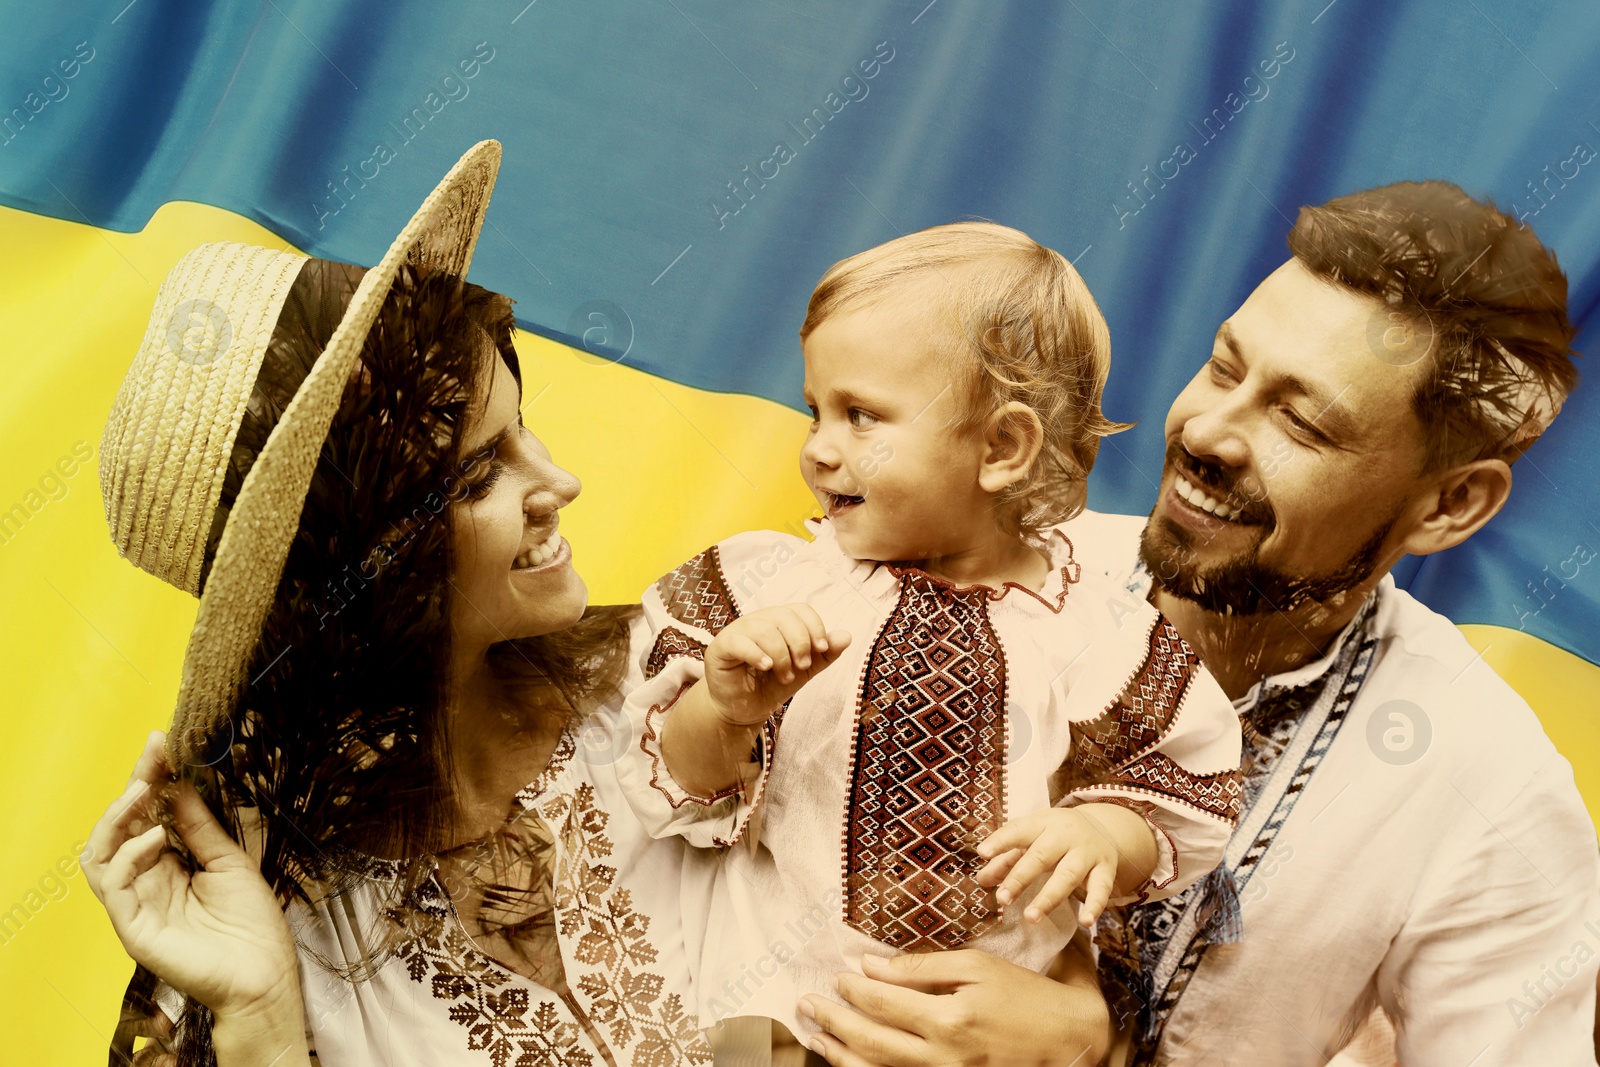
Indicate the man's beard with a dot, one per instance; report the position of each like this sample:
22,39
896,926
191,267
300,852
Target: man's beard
1243,585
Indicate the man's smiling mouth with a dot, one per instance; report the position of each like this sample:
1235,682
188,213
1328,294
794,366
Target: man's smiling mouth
1214,493
1196,497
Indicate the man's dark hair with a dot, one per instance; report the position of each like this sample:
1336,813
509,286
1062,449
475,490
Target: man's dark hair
1479,285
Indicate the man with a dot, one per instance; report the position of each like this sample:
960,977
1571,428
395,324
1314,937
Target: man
1410,838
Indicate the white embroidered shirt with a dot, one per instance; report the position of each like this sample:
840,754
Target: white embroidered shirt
952,711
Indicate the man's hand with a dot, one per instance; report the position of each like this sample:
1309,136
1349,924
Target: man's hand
760,660
962,1007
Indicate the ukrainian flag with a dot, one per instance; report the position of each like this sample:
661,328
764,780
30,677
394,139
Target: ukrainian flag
677,175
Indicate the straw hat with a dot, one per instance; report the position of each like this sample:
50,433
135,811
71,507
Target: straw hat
172,428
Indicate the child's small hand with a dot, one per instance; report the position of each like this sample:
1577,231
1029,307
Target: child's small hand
1063,842
760,660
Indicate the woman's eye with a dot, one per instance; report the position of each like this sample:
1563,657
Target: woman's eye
480,488
861,419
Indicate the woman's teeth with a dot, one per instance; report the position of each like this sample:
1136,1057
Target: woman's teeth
539,554
1204,501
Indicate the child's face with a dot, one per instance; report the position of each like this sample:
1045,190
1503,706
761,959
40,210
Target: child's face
884,456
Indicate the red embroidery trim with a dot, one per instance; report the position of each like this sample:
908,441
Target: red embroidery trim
1177,861
1142,808
1219,795
650,745
1140,716
671,642
697,593
1071,574
927,770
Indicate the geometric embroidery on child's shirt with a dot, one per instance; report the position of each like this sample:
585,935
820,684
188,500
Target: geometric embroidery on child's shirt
926,771
671,643
1117,750
697,594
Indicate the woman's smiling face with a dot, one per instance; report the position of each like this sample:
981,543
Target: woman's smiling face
513,574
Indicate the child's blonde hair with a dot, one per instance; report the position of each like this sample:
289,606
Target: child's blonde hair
1034,334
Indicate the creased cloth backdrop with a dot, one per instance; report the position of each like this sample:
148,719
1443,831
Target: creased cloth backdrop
677,175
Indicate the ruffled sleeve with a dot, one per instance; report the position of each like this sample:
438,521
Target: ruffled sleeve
683,611
1167,746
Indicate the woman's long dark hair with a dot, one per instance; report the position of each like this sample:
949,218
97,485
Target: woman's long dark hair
339,745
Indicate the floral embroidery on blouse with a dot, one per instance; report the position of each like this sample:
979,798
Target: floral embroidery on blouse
624,996
499,1016
614,988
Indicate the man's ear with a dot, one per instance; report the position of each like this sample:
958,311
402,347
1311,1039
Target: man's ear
1456,504
1012,437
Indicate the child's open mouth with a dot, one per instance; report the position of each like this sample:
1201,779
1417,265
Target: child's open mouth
839,503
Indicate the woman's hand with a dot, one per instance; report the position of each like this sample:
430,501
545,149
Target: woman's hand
218,934
963,1007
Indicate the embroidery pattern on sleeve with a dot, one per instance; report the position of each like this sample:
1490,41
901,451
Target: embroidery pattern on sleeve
696,594
926,782
671,643
1149,952
1154,772
1139,717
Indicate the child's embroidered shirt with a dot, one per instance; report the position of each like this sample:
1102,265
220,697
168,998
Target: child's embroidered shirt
952,711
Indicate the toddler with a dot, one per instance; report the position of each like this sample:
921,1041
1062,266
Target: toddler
942,724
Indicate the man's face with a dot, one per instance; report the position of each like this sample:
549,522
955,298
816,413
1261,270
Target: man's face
1290,455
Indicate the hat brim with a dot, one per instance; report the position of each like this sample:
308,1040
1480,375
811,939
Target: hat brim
239,591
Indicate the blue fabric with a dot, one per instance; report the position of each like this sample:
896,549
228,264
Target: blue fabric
628,125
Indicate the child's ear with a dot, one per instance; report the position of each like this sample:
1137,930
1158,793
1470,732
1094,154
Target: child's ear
1012,437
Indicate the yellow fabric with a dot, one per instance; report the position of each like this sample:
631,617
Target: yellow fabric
90,648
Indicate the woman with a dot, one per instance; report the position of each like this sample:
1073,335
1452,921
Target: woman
391,652
418,656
